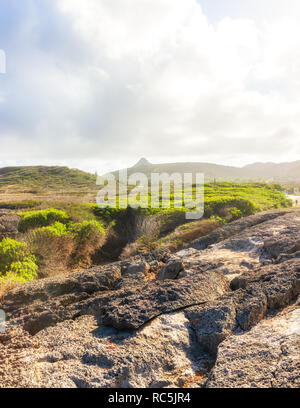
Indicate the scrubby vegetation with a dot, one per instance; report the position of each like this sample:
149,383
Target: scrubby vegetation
61,247
42,218
88,237
52,246
51,241
39,178
247,198
16,261
224,202
57,236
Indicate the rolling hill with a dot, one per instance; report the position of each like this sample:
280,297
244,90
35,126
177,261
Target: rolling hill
264,172
45,178
64,178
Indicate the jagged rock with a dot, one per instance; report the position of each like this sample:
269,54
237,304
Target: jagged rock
40,304
133,308
135,269
119,326
133,275
267,356
287,245
234,228
251,308
86,354
37,292
213,322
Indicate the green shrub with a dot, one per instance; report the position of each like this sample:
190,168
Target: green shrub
85,229
235,213
57,229
89,236
107,214
218,220
41,218
16,262
219,206
76,211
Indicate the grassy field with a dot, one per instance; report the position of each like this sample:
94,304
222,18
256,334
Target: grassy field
218,197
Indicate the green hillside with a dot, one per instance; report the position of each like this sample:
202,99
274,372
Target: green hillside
211,171
45,178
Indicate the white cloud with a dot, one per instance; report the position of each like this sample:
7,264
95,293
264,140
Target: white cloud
107,81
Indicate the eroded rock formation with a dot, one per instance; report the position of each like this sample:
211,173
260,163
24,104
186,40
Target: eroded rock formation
224,312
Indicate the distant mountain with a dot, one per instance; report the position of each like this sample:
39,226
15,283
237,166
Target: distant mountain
63,178
142,162
289,171
264,172
211,171
44,177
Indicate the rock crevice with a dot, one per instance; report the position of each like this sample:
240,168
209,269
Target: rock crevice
223,313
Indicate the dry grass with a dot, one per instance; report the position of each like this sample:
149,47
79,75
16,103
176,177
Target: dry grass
85,250
130,250
147,227
63,196
6,286
196,230
188,233
173,242
52,252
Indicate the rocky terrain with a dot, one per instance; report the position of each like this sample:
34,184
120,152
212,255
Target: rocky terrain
223,312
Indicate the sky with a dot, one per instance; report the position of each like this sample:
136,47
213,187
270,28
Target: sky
98,84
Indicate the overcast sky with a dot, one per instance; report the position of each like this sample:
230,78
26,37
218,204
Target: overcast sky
97,84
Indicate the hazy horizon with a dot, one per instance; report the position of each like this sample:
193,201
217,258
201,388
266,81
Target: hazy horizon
96,84
101,171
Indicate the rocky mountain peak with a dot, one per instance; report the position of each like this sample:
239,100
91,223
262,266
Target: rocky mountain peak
142,162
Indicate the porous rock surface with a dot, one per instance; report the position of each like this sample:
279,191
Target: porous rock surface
221,314
9,223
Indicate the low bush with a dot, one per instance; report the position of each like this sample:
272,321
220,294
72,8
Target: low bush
58,229
77,212
59,247
17,263
89,236
219,206
84,230
235,214
41,218
53,247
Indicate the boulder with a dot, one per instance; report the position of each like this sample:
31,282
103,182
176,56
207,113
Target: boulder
171,270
